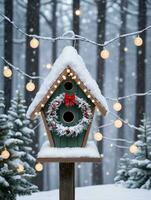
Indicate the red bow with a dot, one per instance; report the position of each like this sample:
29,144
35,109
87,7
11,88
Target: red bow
69,100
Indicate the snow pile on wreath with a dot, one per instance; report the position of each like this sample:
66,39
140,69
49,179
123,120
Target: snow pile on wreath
75,130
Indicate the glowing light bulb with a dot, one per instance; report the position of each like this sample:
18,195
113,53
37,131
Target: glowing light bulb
68,70
138,41
64,77
34,43
20,168
74,77
30,86
98,136
77,12
39,167
118,123
5,154
7,72
104,54
133,148
117,106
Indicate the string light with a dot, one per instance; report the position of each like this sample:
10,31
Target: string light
30,86
39,167
77,12
68,70
48,66
7,72
104,54
117,106
138,41
74,77
118,123
63,36
133,148
98,136
5,154
34,43
64,77
20,168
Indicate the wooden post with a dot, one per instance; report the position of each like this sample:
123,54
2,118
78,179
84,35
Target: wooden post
67,185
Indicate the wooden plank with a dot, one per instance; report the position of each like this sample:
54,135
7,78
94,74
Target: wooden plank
47,129
68,160
67,182
88,130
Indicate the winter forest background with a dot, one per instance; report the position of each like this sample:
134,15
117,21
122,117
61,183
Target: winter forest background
126,71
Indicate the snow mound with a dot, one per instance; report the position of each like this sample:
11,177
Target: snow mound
68,57
103,192
50,152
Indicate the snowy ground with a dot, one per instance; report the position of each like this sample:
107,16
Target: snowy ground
104,192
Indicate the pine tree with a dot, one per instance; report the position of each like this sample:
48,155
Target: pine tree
9,178
22,131
15,170
140,172
122,172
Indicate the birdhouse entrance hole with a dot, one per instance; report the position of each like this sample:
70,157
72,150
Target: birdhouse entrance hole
68,116
68,85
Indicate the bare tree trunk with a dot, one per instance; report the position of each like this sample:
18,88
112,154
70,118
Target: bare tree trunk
54,30
8,50
32,63
76,21
76,29
101,9
141,66
122,70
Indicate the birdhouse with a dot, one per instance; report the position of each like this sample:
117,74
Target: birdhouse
67,100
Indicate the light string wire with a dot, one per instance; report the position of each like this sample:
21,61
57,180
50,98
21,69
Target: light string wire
81,38
147,93
76,37
20,71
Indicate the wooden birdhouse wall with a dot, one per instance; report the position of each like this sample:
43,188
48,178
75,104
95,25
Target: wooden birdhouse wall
68,115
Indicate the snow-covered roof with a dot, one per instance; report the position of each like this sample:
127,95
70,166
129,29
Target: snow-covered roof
90,151
68,57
